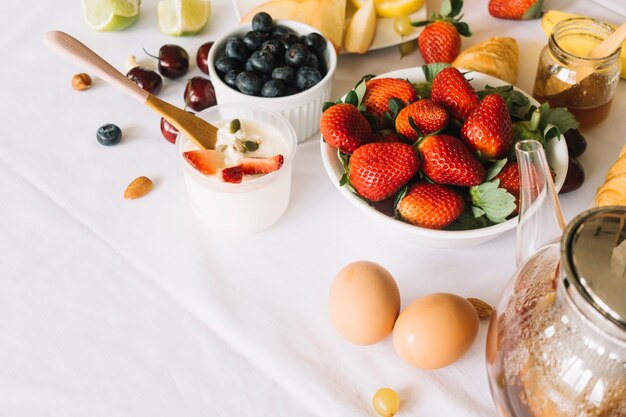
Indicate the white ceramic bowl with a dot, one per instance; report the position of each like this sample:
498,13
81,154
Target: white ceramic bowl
556,153
302,110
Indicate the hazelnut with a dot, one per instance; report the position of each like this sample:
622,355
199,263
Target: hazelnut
81,81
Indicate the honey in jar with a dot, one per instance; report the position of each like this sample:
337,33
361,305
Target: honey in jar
566,77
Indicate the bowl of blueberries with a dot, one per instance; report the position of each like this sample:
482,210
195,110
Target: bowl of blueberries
282,65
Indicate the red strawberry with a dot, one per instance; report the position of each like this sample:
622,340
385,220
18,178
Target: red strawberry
380,90
427,116
446,160
510,180
440,41
433,206
206,161
344,127
488,128
515,9
385,136
232,174
454,92
379,170
253,166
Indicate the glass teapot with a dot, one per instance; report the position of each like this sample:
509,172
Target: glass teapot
556,345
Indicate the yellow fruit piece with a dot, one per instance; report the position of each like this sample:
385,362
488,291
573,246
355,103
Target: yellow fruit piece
393,8
183,17
552,17
110,15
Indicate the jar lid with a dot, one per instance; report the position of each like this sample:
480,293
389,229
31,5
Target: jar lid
594,254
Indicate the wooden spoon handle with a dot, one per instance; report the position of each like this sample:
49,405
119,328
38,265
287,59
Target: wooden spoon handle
610,44
63,43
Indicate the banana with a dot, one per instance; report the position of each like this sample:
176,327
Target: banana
552,17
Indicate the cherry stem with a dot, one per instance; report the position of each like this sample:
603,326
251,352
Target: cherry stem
150,55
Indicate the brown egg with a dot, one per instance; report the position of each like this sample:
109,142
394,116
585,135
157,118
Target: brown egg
435,330
364,302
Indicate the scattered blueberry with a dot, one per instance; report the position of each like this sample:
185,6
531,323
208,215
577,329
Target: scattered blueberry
315,42
254,39
230,78
289,39
224,64
248,83
262,62
296,55
236,49
262,22
109,135
307,77
285,74
273,88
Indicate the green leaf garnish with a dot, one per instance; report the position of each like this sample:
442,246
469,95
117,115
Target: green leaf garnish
496,202
495,169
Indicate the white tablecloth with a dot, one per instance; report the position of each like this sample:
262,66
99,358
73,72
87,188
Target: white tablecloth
111,307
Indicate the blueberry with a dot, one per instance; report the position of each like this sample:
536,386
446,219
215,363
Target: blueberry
273,88
290,90
296,55
264,78
289,39
109,135
254,39
278,32
248,83
274,46
262,62
230,78
236,49
315,42
248,66
312,62
307,77
322,64
285,74
262,22
224,64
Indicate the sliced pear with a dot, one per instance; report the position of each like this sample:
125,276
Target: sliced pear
330,19
278,9
305,10
361,30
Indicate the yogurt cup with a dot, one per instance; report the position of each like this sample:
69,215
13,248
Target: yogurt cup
257,202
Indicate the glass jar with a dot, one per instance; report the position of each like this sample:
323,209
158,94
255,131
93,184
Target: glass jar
566,77
556,346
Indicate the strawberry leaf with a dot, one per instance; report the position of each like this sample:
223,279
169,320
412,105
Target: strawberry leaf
352,98
496,202
424,89
556,121
534,11
395,105
463,29
415,128
327,105
495,169
468,220
399,198
431,70
359,90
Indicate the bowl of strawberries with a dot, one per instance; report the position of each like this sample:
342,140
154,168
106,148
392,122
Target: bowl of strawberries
430,151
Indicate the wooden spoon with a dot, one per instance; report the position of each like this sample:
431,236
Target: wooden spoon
202,133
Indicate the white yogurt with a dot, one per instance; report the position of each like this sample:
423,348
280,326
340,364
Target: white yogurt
258,201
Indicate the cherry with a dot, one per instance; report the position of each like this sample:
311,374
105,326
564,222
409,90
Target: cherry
199,93
202,57
168,131
576,143
173,61
575,176
146,79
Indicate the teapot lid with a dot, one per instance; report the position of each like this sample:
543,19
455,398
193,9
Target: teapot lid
594,250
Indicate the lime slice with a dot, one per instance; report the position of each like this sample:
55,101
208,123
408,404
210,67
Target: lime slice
183,17
110,15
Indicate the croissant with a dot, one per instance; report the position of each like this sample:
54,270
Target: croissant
495,56
613,191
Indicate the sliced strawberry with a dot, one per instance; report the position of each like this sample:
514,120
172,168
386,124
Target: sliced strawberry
253,166
206,161
232,174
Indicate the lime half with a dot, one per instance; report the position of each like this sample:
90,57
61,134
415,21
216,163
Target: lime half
183,17
110,15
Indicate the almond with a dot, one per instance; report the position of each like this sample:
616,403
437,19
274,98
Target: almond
483,309
81,81
139,187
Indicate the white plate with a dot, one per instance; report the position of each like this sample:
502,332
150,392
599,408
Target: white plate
556,153
385,35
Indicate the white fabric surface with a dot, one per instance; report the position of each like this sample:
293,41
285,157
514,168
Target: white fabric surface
131,308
